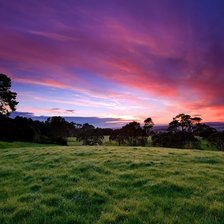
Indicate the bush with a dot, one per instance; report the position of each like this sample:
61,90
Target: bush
217,139
175,140
60,141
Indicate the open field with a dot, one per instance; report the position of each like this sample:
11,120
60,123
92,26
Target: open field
204,144
133,185
15,144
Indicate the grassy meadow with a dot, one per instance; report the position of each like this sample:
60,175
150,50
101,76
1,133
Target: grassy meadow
110,184
16,144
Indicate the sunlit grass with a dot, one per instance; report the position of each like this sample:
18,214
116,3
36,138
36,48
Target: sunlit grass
81,184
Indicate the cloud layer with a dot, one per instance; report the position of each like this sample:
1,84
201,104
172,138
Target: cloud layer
122,58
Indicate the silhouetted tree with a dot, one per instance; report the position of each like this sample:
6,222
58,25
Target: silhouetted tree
183,123
117,136
217,139
133,134
174,126
24,129
89,135
175,140
57,129
203,130
107,131
148,126
196,120
7,97
6,128
20,129
181,133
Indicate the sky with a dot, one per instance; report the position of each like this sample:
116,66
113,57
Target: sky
119,59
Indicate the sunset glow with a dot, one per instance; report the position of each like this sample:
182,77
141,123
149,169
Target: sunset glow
115,59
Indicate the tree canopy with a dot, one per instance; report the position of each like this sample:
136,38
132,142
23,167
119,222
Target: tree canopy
183,122
148,125
7,97
133,134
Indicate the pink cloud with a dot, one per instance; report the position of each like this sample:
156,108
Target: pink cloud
173,57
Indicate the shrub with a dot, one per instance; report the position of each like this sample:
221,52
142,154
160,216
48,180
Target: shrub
176,140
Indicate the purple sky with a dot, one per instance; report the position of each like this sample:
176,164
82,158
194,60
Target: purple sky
115,58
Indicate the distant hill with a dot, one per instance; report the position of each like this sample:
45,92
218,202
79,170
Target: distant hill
217,125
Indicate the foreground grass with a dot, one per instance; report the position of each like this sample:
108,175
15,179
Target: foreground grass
16,144
110,185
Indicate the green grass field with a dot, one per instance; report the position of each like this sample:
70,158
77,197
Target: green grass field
135,185
21,144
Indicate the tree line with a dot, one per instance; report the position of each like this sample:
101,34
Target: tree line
54,130
183,131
